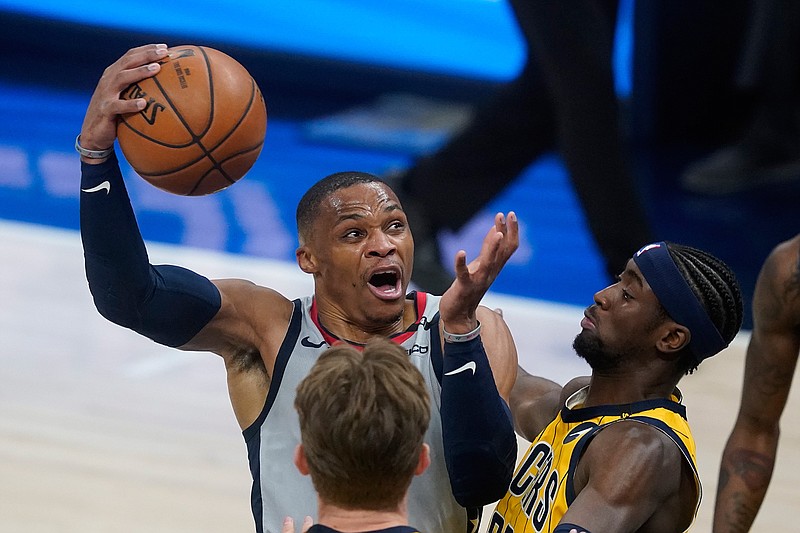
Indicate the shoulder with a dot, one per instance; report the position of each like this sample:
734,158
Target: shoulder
638,452
243,292
247,307
573,386
783,262
633,473
634,456
777,296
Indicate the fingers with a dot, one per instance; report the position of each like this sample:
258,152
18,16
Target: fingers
141,55
99,127
461,264
509,227
137,64
513,230
499,244
288,525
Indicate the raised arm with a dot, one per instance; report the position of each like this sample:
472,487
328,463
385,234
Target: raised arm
166,303
480,363
749,456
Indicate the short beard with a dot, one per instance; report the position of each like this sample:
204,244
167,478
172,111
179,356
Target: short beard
591,349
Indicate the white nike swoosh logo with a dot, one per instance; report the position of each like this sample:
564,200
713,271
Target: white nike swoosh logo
467,366
103,186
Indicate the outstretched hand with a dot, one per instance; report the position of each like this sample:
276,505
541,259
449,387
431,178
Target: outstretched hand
100,122
461,300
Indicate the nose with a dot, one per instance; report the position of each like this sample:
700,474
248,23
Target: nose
380,245
601,297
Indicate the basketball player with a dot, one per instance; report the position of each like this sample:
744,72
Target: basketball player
613,452
363,417
355,242
749,455
362,483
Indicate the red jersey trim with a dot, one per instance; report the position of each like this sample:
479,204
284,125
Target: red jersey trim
420,301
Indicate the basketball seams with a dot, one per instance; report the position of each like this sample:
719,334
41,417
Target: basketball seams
197,138
208,152
153,140
218,163
242,117
227,144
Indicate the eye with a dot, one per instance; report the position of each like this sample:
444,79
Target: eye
352,234
396,226
626,295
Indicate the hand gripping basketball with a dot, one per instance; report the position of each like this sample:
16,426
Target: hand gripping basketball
203,126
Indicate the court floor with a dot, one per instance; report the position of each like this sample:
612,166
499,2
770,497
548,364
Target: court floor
102,430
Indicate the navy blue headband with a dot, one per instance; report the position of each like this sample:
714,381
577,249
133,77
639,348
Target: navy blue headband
678,299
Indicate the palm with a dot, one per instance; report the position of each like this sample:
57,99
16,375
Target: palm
473,279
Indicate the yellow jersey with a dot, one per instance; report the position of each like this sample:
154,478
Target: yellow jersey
542,488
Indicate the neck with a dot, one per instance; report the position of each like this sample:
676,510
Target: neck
354,329
626,388
356,520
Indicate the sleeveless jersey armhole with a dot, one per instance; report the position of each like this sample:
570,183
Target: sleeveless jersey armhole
282,359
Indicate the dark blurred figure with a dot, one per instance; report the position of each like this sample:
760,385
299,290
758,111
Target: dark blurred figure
767,151
564,98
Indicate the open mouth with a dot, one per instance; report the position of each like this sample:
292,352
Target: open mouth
385,284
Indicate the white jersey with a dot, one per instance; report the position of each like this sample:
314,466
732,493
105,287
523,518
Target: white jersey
279,490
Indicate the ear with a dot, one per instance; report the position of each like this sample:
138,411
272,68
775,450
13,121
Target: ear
424,460
306,260
674,339
300,460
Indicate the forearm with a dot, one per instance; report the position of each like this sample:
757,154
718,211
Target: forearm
745,473
167,304
479,440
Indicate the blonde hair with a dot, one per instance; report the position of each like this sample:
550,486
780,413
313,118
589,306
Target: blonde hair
363,416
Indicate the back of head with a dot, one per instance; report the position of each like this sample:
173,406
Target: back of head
712,309
309,203
363,416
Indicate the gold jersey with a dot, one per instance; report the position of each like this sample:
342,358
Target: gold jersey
542,488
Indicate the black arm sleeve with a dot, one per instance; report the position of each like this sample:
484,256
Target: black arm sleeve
168,304
480,445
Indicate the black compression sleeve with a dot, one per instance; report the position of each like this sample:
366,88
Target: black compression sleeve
166,303
480,446
566,528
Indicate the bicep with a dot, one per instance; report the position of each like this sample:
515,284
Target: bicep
630,472
773,349
249,318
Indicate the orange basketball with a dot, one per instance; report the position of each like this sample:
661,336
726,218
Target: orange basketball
203,127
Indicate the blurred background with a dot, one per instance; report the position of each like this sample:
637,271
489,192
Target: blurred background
352,84
102,430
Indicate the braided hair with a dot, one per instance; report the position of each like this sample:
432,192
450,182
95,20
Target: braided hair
716,287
